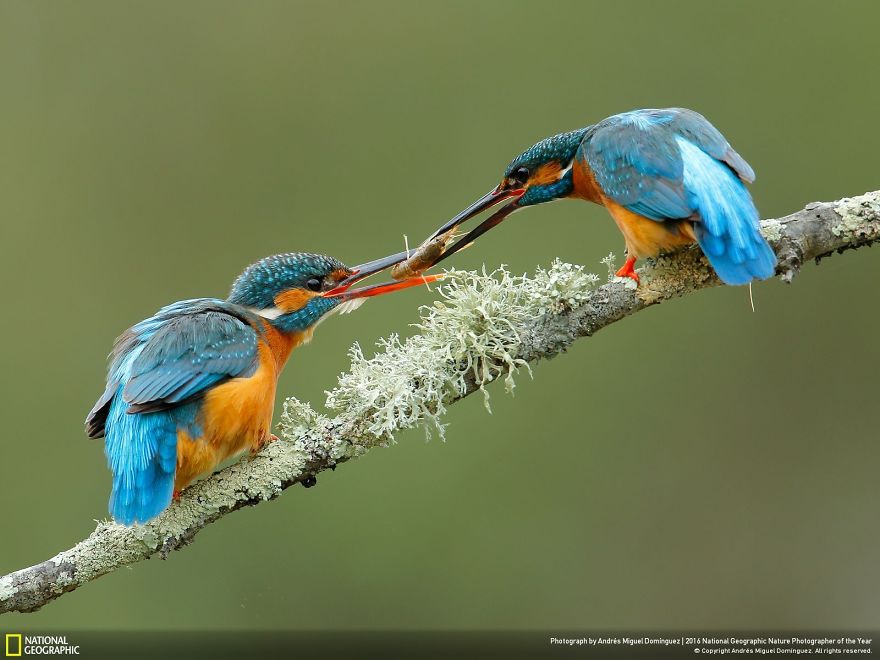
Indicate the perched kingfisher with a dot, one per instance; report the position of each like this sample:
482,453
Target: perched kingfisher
667,177
195,384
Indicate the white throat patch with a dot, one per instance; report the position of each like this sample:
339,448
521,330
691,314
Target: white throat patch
348,306
270,313
566,170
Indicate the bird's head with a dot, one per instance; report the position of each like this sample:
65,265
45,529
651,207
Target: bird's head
543,171
295,291
539,174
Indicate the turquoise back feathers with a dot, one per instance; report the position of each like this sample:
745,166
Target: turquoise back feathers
674,165
668,165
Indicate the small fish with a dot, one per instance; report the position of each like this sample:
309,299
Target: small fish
424,256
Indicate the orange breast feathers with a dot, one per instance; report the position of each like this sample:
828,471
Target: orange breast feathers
584,182
648,238
236,415
644,237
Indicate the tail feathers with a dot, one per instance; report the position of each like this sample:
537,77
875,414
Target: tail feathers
735,265
142,454
728,231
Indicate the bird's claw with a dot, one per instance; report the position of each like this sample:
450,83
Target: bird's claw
628,270
271,437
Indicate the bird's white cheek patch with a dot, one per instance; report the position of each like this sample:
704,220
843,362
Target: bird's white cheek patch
270,313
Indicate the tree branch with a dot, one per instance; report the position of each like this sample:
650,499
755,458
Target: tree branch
485,327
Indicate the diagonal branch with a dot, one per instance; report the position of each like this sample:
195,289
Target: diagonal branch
486,327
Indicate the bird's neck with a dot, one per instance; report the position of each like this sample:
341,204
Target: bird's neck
306,318
281,343
584,183
564,187
539,194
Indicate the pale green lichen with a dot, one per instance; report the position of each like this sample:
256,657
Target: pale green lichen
6,588
468,338
298,419
853,212
563,286
147,536
772,229
301,424
609,262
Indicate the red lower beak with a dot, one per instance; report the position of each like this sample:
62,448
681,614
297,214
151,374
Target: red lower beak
363,271
345,293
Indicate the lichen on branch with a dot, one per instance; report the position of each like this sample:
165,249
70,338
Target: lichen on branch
483,327
469,337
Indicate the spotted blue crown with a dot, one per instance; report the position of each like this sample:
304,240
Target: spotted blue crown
260,282
561,148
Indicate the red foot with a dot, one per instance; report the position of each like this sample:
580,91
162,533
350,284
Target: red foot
627,270
175,496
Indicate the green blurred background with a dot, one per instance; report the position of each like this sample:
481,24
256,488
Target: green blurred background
695,466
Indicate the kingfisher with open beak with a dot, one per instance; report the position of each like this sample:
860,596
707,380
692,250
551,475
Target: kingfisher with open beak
195,384
667,177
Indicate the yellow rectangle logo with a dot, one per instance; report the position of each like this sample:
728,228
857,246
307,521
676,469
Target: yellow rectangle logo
13,645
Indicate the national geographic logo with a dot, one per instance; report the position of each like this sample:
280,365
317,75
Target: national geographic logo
13,645
18,645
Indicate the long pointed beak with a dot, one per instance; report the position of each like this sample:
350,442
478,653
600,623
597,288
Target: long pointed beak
479,230
379,289
487,201
365,270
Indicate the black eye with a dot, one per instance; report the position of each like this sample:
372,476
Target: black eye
314,284
520,175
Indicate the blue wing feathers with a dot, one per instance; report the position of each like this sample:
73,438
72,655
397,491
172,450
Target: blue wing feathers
158,369
636,162
187,355
729,231
699,131
673,165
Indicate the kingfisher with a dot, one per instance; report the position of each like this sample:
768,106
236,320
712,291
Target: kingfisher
194,384
667,177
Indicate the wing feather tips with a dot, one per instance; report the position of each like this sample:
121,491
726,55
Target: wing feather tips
97,417
739,165
96,420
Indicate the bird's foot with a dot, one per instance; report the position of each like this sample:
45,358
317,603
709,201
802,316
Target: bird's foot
175,495
628,270
271,437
